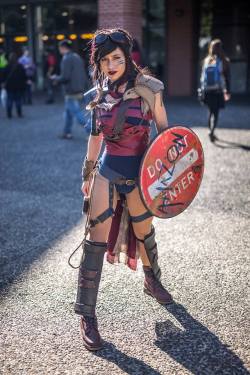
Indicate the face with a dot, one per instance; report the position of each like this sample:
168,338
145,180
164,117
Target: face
62,50
113,65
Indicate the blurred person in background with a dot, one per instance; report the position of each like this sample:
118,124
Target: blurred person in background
3,65
74,79
30,69
215,83
14,81
50,69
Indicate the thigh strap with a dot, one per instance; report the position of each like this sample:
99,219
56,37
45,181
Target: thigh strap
139,218
108,212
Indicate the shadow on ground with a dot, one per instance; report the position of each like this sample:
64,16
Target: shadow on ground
14,264
127,364
227,144
195,347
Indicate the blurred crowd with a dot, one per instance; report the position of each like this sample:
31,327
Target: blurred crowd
62,67
17,77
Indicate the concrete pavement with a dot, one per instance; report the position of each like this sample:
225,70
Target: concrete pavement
204,255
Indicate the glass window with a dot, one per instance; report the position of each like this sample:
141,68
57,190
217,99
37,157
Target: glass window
69,18
13,19
154,35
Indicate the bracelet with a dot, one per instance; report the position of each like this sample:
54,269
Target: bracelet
87,168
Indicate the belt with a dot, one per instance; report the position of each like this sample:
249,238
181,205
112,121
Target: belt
123,181
115,177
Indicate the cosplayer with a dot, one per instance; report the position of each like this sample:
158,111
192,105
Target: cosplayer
127,101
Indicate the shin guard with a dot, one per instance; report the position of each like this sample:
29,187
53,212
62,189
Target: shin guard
152,253
89,277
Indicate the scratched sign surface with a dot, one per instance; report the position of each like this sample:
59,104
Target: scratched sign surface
171,171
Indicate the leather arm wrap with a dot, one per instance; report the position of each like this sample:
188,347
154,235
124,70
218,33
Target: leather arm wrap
87,168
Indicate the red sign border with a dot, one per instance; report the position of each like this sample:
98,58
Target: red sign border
144,156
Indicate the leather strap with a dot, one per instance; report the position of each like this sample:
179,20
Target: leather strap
139,218
120,120
108,212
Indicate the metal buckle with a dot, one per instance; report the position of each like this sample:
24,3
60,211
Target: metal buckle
113,137
130,182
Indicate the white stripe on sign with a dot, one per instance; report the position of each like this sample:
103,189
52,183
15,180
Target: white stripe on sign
184,163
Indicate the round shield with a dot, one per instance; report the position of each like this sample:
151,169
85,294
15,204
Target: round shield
171,171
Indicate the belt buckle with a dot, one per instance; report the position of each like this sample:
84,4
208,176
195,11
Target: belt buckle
130,182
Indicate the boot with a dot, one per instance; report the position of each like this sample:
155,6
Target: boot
154,288
90,334
88,285
152,284
152,253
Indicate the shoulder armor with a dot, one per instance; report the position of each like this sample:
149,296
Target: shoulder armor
146,87
150,82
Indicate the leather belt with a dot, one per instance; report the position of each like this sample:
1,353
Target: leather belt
123,181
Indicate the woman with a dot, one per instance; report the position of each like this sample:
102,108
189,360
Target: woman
14,83
121,118
215,82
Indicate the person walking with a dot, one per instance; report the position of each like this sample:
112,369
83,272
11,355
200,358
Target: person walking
215,83
121,118
74,79
50,70
30,69
15,84
3,65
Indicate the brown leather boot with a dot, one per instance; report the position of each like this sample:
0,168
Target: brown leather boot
90,334
154,288
88,285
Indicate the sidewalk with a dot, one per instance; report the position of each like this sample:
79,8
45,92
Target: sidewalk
203,253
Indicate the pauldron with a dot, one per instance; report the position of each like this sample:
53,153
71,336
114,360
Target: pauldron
145,87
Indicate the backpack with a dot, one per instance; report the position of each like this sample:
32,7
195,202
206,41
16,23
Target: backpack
212,79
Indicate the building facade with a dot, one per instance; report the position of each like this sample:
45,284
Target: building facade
173,34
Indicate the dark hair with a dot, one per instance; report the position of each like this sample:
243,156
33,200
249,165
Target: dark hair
99,51
135,46
66,43
215,48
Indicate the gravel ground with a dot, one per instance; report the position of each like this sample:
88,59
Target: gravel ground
204,255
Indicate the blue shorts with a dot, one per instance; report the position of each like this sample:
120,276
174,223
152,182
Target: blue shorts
113,167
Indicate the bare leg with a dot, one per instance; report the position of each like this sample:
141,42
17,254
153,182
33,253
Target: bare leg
99,203
141,229
149,256
92,261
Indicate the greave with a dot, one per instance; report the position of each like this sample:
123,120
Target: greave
152,253
89,277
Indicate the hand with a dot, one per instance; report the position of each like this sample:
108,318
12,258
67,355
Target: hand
53,76
227,96
85,188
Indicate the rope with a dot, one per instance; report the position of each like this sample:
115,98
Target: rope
87,224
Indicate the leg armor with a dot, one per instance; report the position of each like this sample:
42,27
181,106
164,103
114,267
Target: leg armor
152,283
89,277
152,253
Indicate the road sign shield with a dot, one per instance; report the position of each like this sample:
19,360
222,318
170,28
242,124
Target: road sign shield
171,171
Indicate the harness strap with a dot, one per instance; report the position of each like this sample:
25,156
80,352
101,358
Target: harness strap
101,218
108,212
139,218
120,120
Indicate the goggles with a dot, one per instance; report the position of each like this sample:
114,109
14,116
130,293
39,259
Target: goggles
116,37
